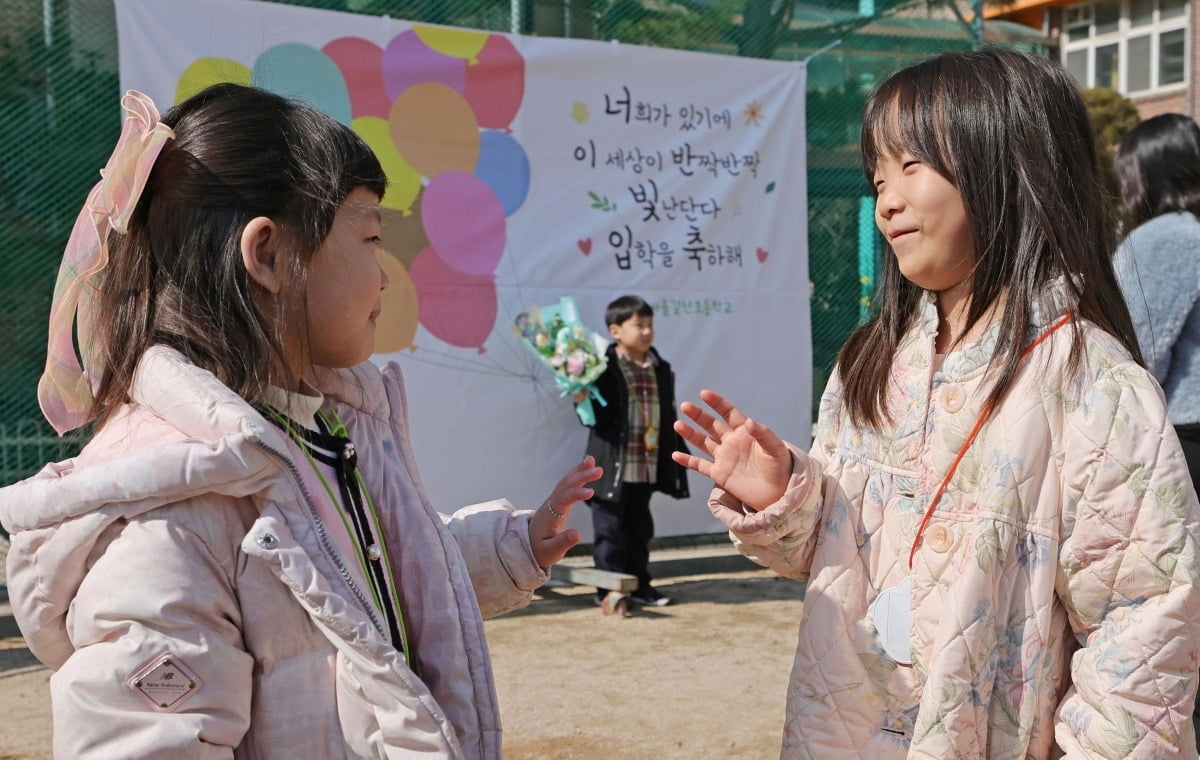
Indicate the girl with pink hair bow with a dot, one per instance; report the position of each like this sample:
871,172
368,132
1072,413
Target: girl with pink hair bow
242,561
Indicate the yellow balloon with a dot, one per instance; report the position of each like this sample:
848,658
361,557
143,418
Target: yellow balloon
456,43
204,72
397,323
403,180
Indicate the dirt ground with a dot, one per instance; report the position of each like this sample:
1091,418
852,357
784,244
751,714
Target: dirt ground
702,678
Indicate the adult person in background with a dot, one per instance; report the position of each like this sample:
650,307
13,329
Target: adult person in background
1158,263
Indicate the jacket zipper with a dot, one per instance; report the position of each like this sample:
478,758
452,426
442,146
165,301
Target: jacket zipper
326,542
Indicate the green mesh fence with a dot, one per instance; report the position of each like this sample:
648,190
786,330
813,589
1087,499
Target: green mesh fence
59,118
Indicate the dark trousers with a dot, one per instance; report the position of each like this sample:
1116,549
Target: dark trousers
623,530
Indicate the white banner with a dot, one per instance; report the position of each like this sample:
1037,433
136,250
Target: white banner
525,169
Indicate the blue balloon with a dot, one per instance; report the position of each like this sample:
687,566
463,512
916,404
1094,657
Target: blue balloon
504,167
304,73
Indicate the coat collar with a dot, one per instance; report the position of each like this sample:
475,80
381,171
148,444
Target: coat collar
1053,301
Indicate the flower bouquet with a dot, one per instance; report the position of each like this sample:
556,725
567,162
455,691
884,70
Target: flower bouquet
576,356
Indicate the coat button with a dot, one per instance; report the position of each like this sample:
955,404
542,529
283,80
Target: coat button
267,541
939,539
953,397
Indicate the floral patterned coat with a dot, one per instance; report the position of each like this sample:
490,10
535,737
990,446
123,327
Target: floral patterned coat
1055,590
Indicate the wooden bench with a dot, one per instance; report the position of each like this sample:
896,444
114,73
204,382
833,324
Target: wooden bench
618,585
592,576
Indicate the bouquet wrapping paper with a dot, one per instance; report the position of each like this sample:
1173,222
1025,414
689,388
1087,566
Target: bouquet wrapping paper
573,353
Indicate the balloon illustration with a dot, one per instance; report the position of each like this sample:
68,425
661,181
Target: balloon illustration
408,61
404,234
435,129
304,73
398,321
436,105
457,308
470,242
457,43
361,64
496,85
203,72
403,181
504,166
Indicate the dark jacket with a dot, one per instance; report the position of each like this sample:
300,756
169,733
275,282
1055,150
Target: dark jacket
607,440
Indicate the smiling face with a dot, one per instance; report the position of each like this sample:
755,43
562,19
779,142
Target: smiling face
921,214
344,285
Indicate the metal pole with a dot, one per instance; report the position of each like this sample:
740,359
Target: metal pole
977,24
48,44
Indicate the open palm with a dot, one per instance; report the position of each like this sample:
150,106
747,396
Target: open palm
747,459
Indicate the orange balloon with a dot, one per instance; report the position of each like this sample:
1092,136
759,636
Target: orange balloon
397,323
404,234
435,129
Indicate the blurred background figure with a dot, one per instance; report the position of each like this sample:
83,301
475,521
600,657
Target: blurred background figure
1158,262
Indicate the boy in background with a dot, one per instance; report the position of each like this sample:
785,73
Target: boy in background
632,439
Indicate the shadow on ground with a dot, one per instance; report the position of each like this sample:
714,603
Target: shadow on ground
16,661
723,590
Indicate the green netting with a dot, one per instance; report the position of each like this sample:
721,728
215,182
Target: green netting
59,118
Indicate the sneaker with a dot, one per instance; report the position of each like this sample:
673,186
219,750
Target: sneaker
650,597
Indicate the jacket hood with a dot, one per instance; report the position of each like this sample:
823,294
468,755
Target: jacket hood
183,434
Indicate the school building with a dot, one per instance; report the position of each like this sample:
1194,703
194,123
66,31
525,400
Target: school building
1144,49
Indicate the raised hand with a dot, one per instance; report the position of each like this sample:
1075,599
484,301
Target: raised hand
546,535
747,459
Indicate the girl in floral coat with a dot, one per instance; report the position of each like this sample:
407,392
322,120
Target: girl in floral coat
995,521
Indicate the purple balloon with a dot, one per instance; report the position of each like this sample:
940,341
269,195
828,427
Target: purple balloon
408,61
464,221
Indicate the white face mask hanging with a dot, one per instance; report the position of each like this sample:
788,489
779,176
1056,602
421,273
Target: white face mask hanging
892,609
892,613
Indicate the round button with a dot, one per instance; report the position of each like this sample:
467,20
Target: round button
939,539
953,397
373,553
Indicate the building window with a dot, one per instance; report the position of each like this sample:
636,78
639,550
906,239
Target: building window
1132,46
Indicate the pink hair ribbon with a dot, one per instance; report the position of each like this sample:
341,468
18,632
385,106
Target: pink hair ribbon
66,389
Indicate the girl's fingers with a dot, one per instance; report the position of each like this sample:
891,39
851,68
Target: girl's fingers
766,438
693,462
695,437
707,422
731,415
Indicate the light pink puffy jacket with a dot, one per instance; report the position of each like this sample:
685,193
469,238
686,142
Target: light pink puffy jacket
182,529
1056,591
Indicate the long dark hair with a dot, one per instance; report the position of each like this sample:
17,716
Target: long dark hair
1158,166
177,278
1011,132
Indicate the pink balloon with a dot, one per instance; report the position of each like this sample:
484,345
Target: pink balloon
464,221
496,84
457,308
408,61
360,62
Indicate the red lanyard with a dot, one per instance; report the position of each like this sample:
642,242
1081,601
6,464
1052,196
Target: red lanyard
983,415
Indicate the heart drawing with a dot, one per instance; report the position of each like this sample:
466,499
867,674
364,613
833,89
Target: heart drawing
762,254
585,245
